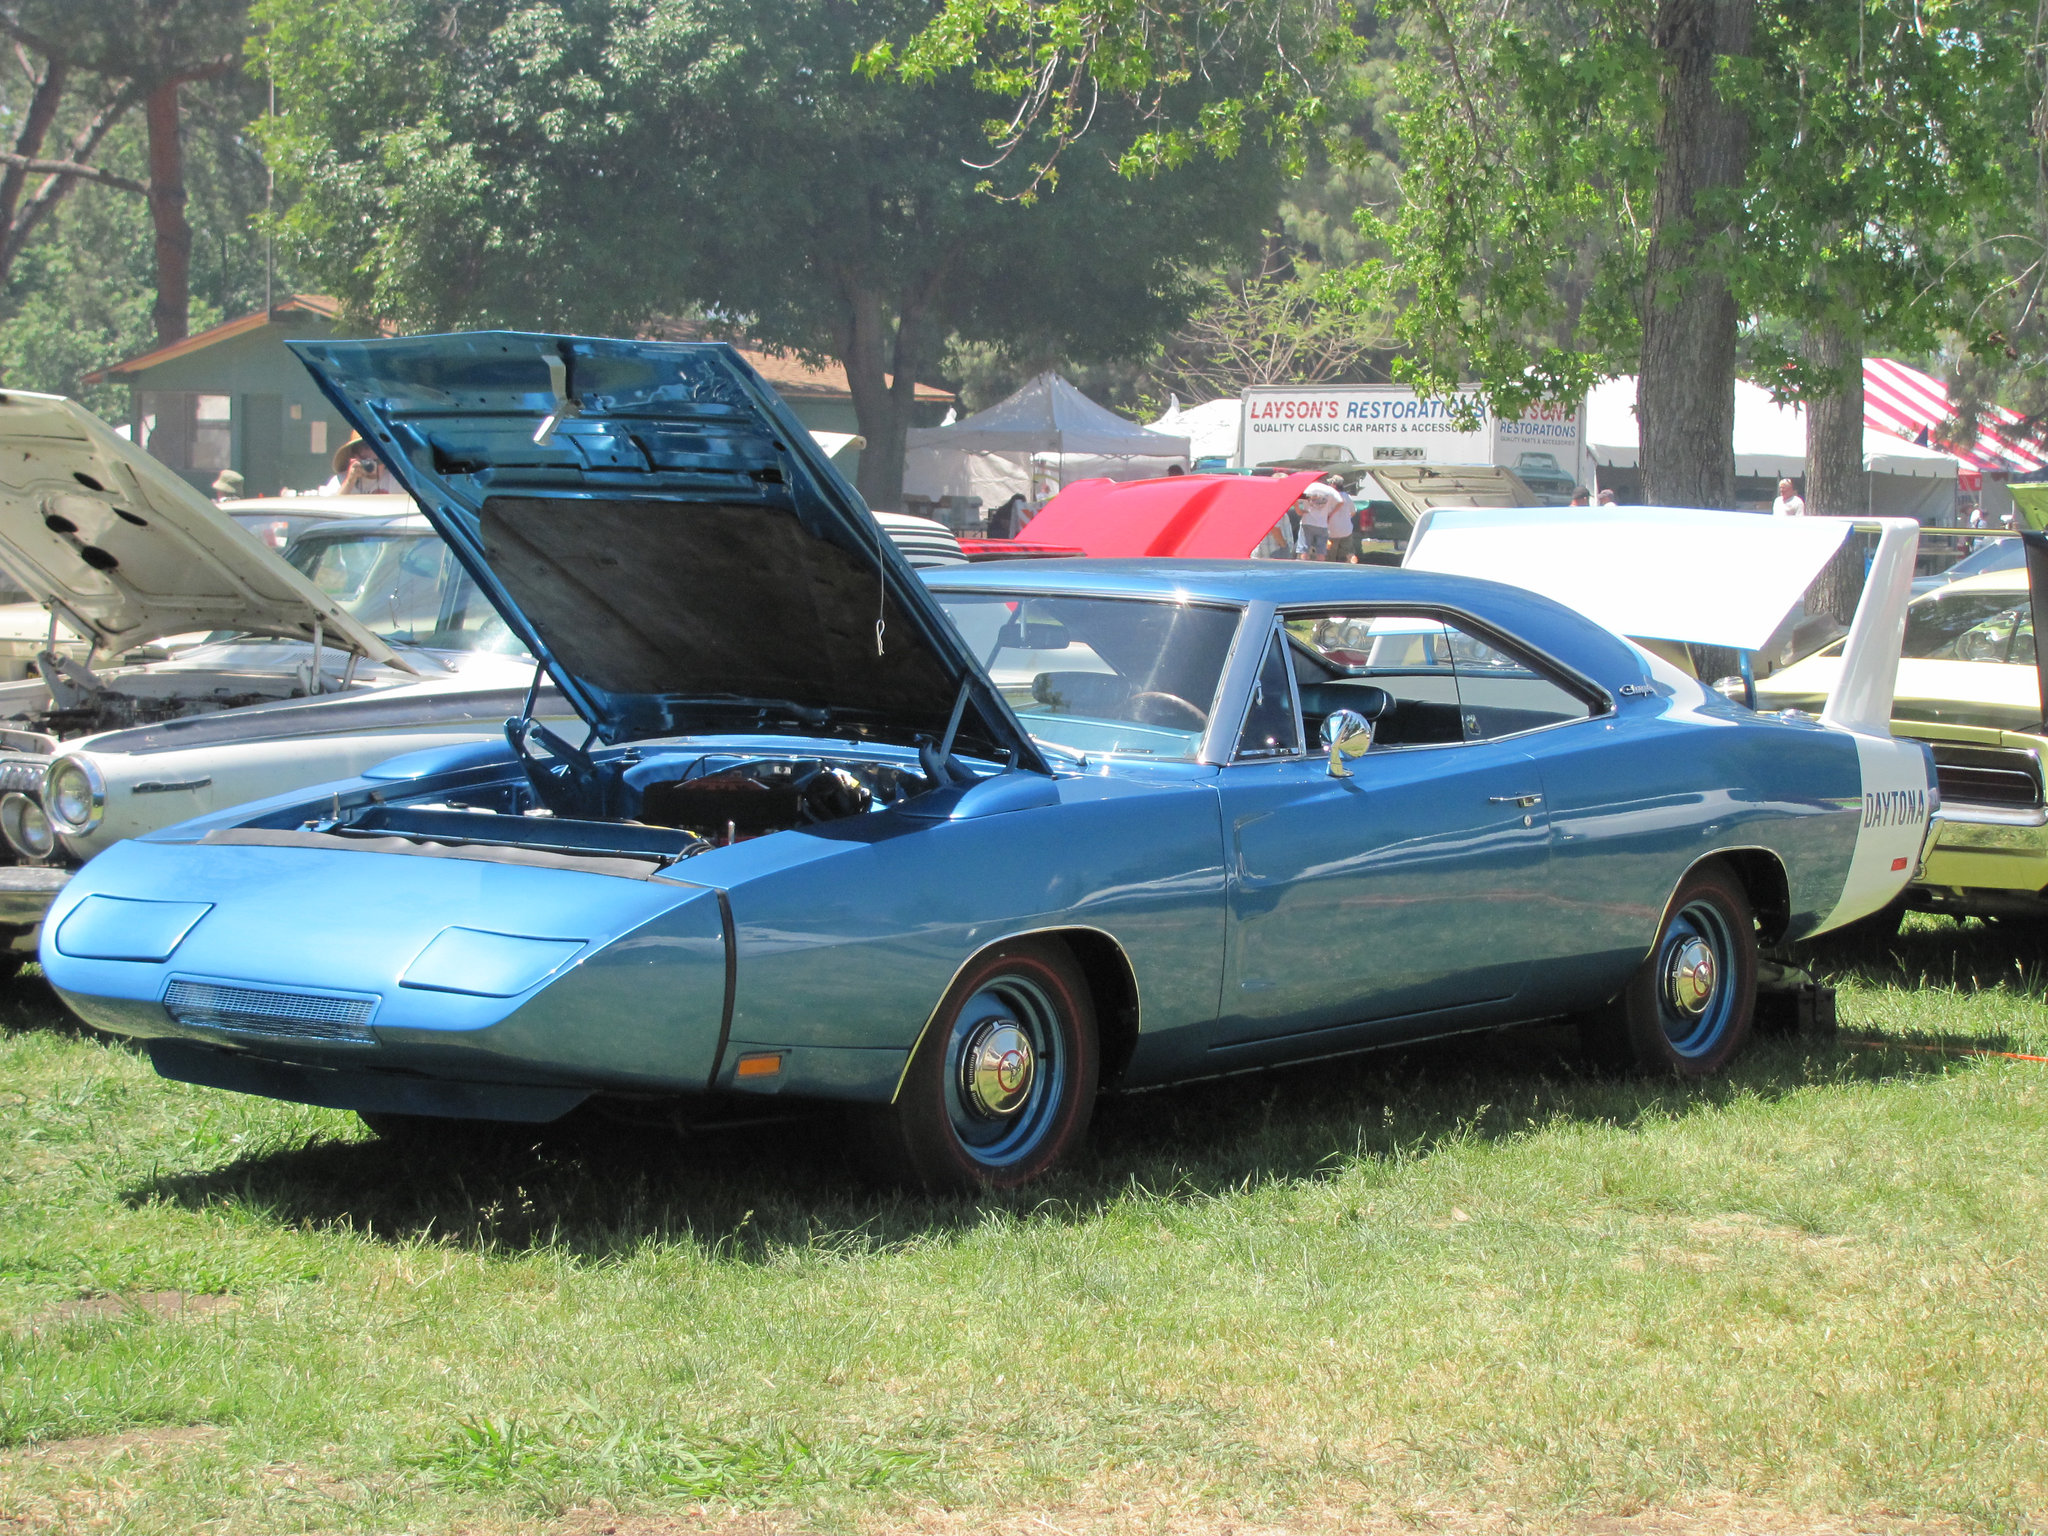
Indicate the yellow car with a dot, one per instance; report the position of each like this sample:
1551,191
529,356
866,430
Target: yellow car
1969,687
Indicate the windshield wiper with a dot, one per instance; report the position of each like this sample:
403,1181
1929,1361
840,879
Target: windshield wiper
1078,759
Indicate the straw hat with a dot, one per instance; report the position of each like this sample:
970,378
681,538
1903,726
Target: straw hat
341,454
227,483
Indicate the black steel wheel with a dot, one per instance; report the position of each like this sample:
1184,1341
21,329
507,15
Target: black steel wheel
1003,1084
1691,1004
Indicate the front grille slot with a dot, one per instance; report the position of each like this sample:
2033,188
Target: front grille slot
1999,776
273,1014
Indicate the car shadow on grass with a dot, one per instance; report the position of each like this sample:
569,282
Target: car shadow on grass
1971,955
596,1190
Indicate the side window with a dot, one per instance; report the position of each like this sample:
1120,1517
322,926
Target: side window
1424,681
1271,727
1502,695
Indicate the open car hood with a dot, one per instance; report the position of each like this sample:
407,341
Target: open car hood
127,552
1208,517
666,537
1416,488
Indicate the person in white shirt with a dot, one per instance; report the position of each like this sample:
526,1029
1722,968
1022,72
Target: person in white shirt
1343,522
1317,503
1789,503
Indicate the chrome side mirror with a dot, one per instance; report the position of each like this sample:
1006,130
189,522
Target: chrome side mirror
1346,733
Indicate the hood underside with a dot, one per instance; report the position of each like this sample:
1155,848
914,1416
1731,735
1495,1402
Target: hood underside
666,537
127,552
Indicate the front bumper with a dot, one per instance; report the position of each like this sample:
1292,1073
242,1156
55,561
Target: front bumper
26,891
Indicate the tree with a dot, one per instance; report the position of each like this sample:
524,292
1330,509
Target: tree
1271,327
141,51
55,92
1883,137
1592,187
593,163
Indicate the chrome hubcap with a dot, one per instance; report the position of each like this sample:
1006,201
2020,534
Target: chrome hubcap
997,1067
1689,980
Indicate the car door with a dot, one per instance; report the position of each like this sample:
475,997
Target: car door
1403,900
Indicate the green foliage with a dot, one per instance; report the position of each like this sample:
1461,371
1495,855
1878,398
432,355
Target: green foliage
1057,63
1276,327
470,165
1881,145
1876,134
1528,168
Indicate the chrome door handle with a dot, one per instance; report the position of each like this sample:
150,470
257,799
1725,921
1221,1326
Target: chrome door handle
1521,800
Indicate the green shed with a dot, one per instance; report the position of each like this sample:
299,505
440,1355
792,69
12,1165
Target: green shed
233,398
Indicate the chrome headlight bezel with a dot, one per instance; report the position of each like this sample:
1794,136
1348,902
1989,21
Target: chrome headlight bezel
19,815
94,795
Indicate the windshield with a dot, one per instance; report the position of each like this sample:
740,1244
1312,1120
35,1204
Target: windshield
406,588
1097,674
1970,626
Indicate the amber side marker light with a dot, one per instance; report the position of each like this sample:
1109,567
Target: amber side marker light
759,1064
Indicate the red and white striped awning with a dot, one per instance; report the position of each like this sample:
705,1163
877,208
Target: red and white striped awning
1900,399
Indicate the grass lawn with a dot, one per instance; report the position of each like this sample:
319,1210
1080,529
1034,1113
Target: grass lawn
1455,1287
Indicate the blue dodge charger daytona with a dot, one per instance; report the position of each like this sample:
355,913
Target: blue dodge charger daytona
955,854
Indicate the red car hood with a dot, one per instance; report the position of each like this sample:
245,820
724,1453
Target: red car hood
1206,517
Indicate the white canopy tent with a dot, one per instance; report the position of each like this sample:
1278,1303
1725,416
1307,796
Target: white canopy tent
1906,480
1213,429
1048,424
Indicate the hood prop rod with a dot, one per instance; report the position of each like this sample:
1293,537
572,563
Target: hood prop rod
937,761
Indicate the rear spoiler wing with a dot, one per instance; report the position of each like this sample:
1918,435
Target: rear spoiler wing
1694,576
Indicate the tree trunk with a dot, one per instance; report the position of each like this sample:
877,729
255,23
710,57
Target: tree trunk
1686,392
1836,485
35,127
173,310
885,392
884,417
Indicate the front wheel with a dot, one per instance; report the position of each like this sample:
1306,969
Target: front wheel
1689,1007
1003,1084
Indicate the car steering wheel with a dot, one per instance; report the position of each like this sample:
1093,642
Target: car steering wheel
1166,709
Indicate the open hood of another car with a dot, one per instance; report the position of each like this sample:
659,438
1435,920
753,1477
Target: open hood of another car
127,552
1204,517
666,537
1415,488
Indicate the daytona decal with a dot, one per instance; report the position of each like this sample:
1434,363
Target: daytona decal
1895,808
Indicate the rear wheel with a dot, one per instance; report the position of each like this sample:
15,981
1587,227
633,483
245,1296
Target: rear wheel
1689,1008
1003,1084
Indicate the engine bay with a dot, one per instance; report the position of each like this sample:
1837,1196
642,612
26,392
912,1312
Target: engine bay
667,804
68,699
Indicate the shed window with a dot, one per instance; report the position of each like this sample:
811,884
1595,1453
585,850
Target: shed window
186,431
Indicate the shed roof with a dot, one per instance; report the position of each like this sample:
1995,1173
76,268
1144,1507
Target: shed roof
790,375
292,304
